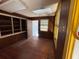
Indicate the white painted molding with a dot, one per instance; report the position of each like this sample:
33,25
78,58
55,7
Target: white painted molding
11,34
20,25
12,25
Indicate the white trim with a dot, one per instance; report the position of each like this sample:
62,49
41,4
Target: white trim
12,34
12,25
0,33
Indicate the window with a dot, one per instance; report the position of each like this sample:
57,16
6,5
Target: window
44,25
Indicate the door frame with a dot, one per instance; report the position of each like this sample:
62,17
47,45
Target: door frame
64,14
72,28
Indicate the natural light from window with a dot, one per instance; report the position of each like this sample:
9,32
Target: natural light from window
44,25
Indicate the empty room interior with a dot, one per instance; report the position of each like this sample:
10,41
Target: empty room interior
39,29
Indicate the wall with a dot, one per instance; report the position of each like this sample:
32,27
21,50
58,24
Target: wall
75,54
29,28
56,27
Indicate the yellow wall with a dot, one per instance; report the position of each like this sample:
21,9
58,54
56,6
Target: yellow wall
72,27
56,27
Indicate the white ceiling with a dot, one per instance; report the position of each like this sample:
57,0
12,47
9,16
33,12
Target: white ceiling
25,7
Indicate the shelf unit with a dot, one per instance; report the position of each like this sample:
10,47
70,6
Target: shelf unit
11,25
5,26
16,23
23,22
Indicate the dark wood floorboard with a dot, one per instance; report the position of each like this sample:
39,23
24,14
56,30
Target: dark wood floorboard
32,48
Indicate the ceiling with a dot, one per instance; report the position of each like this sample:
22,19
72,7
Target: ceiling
25,7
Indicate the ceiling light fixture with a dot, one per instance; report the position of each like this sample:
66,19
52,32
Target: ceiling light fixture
48,10
43,11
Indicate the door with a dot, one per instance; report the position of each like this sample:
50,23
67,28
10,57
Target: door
44,29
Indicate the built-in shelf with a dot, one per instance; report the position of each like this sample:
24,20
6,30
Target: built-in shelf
5,25
23,25
5,32
10,25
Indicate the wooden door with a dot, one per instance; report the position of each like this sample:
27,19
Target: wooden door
44,29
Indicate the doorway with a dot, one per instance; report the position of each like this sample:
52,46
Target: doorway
35,28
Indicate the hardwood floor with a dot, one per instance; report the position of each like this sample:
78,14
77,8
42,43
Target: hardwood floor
32,48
